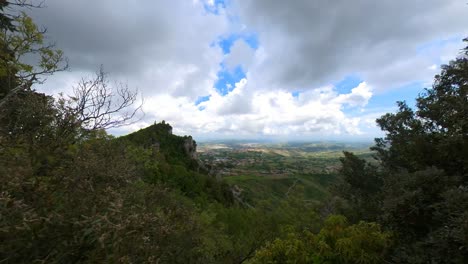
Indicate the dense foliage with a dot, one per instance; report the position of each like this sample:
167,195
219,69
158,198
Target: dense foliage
337,242
419,189
71,193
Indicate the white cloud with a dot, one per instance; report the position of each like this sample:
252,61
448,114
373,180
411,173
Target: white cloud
307,44
167,49
359,96
241,54
157,46
248,113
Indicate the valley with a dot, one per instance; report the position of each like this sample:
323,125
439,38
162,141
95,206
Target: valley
272,171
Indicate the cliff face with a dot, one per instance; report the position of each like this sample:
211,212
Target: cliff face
190,147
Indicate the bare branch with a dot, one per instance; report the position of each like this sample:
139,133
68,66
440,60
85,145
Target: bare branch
96,105
26,3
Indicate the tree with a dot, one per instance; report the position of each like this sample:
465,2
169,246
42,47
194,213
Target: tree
427,212
96,105
7,18
436,134
423,172
69,192
360,186
26,40
337,242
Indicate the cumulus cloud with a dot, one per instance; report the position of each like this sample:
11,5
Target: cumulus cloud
359,96
309,43
169,50
249,113
158,46
241,54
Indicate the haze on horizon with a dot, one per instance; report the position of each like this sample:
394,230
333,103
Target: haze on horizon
272,70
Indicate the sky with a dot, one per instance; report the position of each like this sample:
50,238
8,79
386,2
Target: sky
259,69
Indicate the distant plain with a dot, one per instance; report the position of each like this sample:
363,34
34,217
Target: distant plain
264,171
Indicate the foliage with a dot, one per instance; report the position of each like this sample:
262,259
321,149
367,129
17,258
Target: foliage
418,189
337,242
170,162
360,186
93,210
70,193
439,126
426,211
26,40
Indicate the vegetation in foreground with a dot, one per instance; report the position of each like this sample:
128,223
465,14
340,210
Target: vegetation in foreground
70,193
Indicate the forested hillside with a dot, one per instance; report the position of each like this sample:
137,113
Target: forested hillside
72,193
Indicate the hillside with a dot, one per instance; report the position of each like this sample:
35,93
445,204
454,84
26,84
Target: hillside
174,162
159,138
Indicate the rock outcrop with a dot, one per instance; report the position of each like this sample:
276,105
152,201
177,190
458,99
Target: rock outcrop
190,147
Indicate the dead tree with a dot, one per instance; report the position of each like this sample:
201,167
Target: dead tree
97,105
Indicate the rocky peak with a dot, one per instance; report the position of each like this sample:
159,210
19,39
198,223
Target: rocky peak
190,147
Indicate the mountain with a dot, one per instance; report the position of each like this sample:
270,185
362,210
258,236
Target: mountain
174,162
177,150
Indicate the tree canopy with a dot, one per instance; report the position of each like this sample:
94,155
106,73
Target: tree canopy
422,173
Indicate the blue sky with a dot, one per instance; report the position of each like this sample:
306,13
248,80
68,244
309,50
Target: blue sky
299,70
227,78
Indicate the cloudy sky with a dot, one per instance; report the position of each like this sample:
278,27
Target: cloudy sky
253,69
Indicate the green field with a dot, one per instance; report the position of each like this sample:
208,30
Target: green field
276,171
